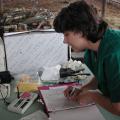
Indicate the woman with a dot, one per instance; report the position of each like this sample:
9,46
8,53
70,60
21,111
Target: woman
83,30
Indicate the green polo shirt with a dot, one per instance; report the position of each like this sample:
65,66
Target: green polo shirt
106,66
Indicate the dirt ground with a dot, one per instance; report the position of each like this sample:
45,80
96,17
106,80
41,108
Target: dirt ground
112,14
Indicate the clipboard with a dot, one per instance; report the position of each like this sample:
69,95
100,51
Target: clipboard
53,98
52,87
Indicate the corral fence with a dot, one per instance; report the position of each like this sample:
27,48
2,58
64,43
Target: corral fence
114,2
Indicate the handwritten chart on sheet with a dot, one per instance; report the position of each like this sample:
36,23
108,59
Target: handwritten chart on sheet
33,50
55,99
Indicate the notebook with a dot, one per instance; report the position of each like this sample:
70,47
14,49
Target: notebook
59,107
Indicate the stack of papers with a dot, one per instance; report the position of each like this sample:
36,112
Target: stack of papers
60,108
55,100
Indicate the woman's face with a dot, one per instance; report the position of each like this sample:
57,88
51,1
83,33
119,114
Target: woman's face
75,40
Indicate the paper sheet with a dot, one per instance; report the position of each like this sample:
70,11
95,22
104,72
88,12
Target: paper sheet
86,113
38,115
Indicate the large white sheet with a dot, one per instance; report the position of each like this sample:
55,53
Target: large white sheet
30,51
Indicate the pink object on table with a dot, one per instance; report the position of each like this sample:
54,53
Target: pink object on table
25,95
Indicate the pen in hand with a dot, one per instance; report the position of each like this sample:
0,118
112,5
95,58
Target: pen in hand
72,91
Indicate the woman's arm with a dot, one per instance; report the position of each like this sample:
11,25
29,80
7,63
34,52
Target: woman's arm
88,94
103,101
92,84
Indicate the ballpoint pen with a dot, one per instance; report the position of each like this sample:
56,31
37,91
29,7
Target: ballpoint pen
72,91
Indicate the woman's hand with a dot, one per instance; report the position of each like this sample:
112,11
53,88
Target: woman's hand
85,98
79,95
72,93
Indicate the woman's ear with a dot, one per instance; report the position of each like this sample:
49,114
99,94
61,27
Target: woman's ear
80,34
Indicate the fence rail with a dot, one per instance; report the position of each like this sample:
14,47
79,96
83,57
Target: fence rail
114,1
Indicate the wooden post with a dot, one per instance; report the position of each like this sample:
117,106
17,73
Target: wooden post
104,4
1,6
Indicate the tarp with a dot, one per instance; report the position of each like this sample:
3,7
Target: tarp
31,51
